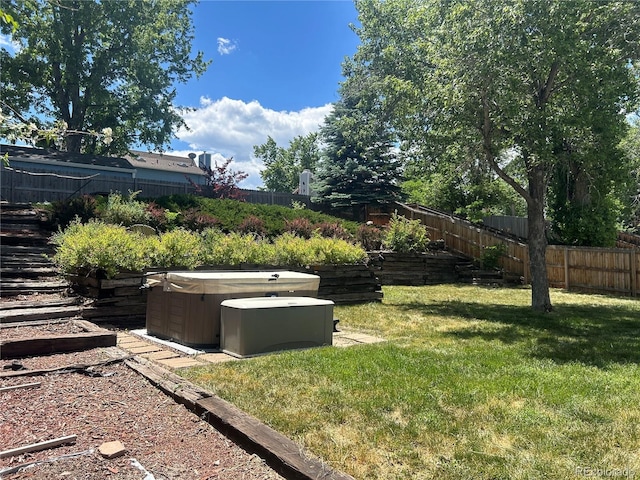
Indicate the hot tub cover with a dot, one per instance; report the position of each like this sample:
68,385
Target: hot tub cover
215,282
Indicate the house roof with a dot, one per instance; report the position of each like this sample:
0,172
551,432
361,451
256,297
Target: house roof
164,162
43,155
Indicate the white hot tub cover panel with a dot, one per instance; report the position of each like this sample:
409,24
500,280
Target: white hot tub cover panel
207,282
253,303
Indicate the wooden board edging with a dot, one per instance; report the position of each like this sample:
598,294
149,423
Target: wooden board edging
280,452
284,455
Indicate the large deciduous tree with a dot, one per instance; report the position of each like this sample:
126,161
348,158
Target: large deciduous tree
101,64
491,80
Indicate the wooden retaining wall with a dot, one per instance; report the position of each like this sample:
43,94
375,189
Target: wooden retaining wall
120,301
429,268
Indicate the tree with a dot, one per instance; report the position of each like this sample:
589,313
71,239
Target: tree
224,181
284,165
631,146
489,80
91,65
358,166
474,192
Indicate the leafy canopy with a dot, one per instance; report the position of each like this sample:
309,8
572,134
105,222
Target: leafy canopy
94,65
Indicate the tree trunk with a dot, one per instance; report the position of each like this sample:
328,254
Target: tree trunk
540,299
73,143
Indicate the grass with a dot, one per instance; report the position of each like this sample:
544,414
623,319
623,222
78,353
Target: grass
472,384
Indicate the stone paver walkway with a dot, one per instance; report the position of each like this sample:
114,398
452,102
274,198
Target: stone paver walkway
173,358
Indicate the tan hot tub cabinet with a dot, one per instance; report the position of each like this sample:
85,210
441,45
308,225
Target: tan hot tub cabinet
184,306
254,326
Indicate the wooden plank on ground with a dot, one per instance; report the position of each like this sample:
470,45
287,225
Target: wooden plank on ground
50,344
21,386
176,387
34,447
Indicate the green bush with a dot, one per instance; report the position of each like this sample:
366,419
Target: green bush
491,255
293,250
62,213
405,236
99,246
177,248
232,213
234,248
125,211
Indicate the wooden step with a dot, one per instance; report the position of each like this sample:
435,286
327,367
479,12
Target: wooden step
13,287
39,313
36,302
7,273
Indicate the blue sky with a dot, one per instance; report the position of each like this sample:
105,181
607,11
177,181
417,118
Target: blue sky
275,70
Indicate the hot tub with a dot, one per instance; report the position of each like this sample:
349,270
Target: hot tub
184,306
253,326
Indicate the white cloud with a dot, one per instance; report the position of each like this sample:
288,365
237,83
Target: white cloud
226,46
231,128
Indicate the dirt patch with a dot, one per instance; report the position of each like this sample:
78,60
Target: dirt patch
161,437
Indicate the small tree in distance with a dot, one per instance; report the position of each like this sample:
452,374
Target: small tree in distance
223,181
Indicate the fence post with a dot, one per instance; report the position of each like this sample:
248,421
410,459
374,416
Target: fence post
525,263
633,253
566,268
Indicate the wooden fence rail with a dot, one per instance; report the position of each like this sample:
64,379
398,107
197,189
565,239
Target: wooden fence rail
614,271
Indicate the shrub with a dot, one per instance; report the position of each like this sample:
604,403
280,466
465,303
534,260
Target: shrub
491,255
370,237
299,226
332,230
177,248
252,224
160,218
293,250
99,246
62,213
234,248
405,236
196,220
125,211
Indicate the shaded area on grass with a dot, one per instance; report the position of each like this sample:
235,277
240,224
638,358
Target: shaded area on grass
593,335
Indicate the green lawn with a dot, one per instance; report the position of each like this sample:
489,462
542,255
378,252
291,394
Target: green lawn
471,384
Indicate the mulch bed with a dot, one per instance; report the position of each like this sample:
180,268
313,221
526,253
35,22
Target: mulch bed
161,437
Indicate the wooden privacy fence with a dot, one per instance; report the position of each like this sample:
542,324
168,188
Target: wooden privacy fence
599,270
